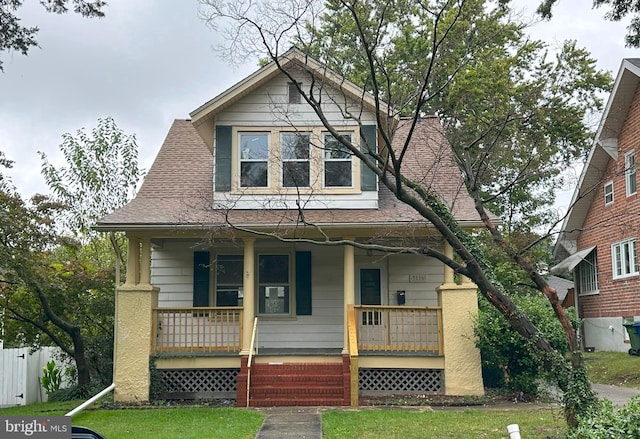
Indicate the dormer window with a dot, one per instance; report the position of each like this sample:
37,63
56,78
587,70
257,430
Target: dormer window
295,159
254,155
294,93
337,162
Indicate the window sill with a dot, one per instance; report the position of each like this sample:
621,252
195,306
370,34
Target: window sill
626,276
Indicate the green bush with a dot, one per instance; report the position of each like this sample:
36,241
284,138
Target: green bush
605,422
74,393
508,360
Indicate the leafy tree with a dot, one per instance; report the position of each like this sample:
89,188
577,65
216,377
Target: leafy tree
101,174
618,9
15,36
45,299
510,112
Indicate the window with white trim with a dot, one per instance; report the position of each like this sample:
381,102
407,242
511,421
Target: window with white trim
274,284
625,258
337,162
630,172
608,193
587,274
254,163
295,159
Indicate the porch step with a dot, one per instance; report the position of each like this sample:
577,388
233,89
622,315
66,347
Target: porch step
298,384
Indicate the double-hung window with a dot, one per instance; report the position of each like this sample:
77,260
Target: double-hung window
295,159
254,159
630,172
229,280
608,193
625,258
337,162
273,284
588,275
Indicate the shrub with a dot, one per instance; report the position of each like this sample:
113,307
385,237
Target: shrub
605,422
508,360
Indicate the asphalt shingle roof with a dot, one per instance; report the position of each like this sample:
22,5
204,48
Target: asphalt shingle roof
178,190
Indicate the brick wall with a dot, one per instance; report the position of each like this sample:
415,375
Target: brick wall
605,225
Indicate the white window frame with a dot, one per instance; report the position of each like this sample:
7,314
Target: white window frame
608,194
587,275
244,157
630,172
328,159
624,258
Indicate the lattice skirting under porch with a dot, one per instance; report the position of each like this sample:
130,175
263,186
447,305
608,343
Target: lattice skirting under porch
197,383
401,380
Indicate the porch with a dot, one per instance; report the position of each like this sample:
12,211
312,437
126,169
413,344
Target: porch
348,347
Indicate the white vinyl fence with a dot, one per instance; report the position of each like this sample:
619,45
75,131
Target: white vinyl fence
20,374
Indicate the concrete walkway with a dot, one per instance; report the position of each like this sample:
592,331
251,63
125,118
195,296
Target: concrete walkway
290,422
619,396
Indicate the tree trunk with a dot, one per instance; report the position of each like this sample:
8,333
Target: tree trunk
84,375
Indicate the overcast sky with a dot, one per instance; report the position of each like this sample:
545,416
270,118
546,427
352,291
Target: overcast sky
151,61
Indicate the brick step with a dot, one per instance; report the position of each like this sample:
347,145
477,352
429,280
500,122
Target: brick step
297,369
275,391
286,402
299,380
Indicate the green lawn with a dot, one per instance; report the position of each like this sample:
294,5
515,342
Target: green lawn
617,368
459,424
155,423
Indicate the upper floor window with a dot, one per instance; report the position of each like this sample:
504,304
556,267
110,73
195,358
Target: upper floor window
254,155
630,172
295,159
587,275
625,258
608,193
337,162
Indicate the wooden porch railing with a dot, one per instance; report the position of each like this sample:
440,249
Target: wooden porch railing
399,328
192,330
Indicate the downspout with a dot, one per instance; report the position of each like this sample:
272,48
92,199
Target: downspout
91,400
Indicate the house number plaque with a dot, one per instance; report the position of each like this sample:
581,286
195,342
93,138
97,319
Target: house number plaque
417,278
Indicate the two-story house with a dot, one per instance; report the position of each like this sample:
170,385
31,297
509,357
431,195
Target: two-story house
227,293
598,240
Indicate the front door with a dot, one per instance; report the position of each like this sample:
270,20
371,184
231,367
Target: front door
370,293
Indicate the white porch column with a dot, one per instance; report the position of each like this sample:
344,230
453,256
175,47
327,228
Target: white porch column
348,289
248,301
448,271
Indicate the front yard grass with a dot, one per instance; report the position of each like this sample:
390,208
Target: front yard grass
187,422
460,424
614,368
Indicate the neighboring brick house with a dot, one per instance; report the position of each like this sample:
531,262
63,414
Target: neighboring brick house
598,240
332,321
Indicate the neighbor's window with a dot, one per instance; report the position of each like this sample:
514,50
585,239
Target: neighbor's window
295,159
588,274
229,280
337,162
630,172
254,154
608,193
625,258
273,284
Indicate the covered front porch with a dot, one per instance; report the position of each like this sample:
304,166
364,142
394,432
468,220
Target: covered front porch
368,346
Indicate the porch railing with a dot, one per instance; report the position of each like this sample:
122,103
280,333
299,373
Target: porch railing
399,328
193,330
